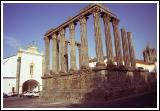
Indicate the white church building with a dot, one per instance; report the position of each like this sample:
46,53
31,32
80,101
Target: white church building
23,71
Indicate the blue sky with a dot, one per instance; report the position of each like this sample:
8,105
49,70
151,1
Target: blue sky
24,23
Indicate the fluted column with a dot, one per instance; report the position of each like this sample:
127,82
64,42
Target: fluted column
54,53
119,59
106,19
72,46
57,55
80,56
62,50
83,49
66,56
47,55
43,73
98,40
43,66
131,49
125,47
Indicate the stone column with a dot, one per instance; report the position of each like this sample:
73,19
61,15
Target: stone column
84,43
18,74
43,73
125,47
98,40
80,56
57,55
106,19
43,66
62,50
131,49
119,59
72,46
66,55
54,53
47,55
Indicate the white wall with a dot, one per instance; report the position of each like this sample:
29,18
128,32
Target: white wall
10,67
151,67
26,60
8,84
10,70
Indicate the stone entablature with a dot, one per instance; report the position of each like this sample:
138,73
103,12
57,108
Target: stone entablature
84,12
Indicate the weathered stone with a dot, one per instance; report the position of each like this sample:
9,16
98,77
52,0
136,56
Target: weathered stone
92,84
119,59
54,53
62,50
72,46
106,19
66,56
47,55
131,49
125,47
80,55
84,42
98,40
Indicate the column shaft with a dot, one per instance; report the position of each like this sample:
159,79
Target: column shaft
43,66
57,53
117,42
47,57
131,49
66,56
72,46
106,19
125,47
54,53
83,49
62,50
80,56
98,40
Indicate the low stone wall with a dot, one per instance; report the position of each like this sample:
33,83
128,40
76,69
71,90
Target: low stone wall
98,84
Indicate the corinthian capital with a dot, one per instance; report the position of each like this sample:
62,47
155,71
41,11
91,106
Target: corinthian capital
54,36
72,26
96,11
106,18
115,21
83,20
62,31
46,38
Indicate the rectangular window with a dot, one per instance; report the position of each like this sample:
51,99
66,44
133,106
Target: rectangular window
31,69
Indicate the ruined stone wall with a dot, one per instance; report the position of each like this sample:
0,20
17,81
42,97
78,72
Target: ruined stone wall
98,85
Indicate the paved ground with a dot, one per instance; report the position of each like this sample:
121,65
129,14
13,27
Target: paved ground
143,101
